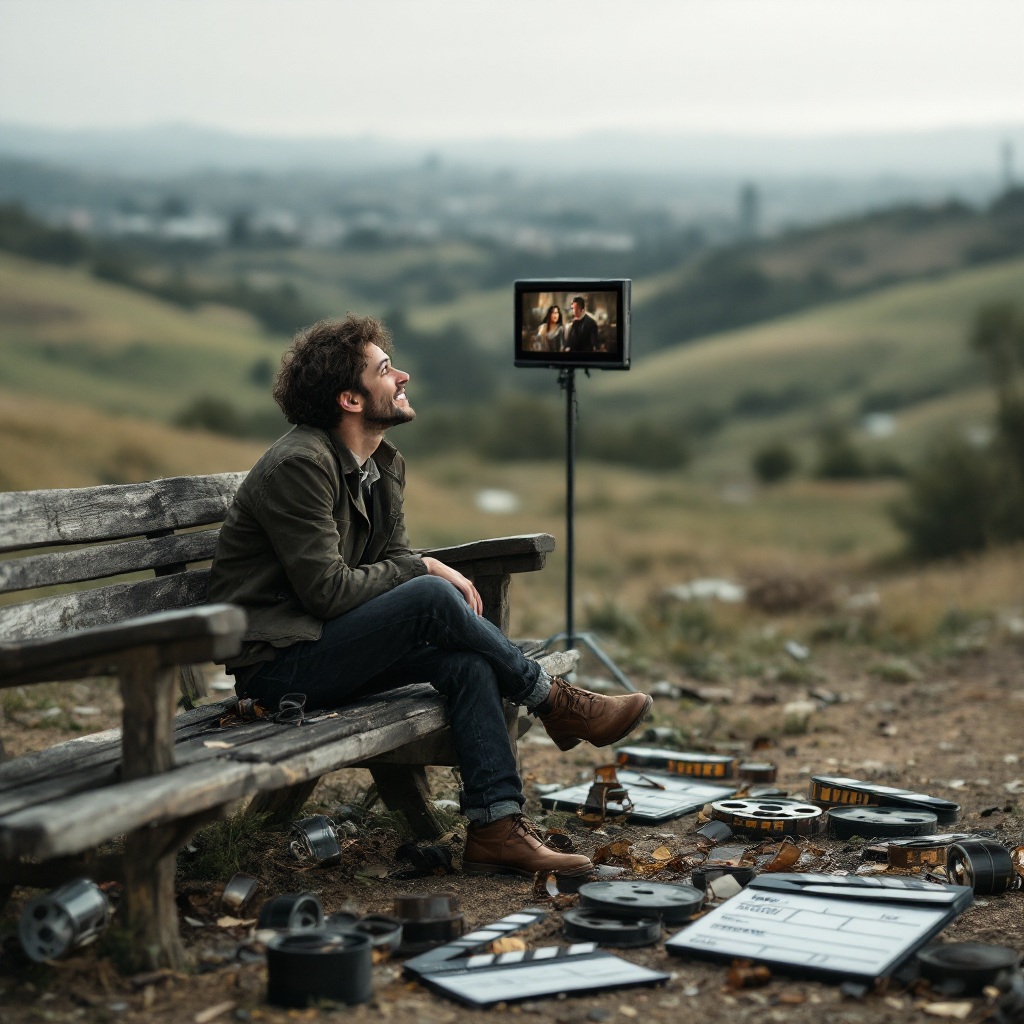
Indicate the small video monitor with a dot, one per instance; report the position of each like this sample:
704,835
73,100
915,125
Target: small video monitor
575,323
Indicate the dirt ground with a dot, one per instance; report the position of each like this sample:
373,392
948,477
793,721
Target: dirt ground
954,732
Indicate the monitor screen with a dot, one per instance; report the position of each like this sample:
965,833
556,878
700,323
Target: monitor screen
572,323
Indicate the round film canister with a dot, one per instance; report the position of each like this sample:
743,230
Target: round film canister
967,966
305,967
758,771
292,911
983,864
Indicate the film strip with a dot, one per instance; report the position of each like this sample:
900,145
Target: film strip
922,851
676,762
829,791
769,817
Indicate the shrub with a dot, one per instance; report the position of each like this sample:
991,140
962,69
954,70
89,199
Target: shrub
521,427
954,502
838,457
635,444
774,462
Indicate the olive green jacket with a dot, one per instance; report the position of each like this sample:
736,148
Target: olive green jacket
289,550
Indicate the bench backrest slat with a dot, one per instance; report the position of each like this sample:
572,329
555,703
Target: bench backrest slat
100,606
31,519
81,564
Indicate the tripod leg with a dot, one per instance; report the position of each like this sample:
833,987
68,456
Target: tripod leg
587,640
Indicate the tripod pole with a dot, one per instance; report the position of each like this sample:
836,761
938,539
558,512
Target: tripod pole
568,382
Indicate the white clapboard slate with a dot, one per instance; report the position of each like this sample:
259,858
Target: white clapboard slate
825,924
676,797
490,978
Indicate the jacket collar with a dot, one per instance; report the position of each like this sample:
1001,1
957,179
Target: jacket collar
384,456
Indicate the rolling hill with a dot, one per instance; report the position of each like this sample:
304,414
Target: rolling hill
901,350
66,335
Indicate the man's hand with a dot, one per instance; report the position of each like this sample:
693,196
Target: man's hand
464,586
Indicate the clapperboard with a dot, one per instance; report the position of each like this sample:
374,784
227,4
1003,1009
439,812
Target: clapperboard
473,941
845,925
489,978
668,797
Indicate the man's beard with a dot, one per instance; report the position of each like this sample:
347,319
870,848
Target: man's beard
386,413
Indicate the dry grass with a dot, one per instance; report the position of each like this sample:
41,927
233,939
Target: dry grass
45,443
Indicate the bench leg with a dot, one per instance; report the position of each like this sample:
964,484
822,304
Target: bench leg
404,787
283,805
147,911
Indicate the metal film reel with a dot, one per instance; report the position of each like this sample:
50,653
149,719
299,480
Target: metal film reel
769,816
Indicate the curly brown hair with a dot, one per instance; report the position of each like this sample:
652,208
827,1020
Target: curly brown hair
323,361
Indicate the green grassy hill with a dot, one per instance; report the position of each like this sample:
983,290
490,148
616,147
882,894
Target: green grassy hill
902,349
66,335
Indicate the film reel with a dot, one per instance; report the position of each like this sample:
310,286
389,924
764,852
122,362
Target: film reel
703,766
922,851
316,840
305,967
983,864
872,822
63,920
673,903
774,817
834,791
294,911
428,920
583,925
758,771
966,967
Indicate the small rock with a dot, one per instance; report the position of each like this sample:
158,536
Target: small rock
797,651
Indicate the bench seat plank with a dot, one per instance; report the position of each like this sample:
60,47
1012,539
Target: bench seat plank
83,515
75,823
96,748
95,563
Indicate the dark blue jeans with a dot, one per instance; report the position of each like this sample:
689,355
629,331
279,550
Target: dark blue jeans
422,631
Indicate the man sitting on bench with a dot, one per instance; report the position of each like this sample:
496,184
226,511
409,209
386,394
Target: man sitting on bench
315,549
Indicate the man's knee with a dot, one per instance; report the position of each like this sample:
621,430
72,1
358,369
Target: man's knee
468,671
435,594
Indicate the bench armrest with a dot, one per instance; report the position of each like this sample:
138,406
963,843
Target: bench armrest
497,556
206,633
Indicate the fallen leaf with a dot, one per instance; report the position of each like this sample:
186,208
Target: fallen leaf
194,922
613,851
227,921
628,1011
509,944
958,1010
743,974
791,998
662,853
217,745
213,1012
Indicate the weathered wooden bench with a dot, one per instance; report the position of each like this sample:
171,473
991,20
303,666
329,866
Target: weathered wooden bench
162,775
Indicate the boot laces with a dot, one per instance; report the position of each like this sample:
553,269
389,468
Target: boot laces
528,830
575,698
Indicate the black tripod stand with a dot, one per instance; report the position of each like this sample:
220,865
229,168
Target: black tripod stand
567,382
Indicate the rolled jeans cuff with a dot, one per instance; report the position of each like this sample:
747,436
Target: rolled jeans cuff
538,694
486,815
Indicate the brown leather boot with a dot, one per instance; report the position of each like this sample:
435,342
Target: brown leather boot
570,715
513,846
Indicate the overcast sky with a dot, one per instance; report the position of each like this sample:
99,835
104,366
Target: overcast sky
422,69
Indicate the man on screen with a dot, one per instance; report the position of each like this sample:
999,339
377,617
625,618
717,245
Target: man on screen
315,548
582,333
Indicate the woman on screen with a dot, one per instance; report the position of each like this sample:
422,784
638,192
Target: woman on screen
551,333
